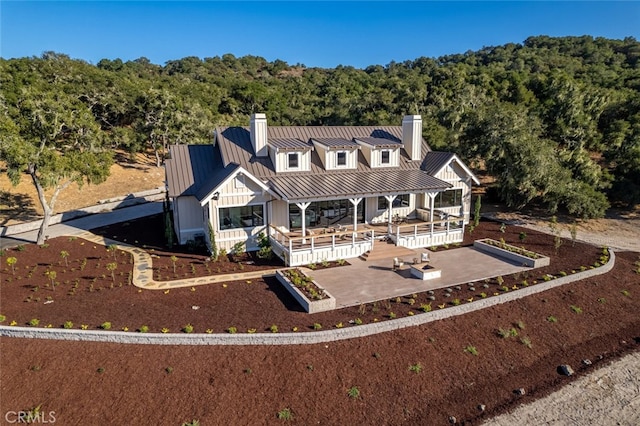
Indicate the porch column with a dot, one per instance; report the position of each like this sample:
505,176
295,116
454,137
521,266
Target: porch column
355,202
303,208
389,199
432,198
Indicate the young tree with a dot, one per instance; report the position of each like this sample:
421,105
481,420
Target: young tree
52,137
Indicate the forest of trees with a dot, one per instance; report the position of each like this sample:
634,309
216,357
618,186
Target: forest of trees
556,121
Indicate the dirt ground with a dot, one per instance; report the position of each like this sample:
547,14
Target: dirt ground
20,203
416,376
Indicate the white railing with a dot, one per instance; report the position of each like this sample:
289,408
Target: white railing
317,246
426,234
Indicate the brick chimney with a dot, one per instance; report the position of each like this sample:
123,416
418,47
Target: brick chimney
258,131
412,136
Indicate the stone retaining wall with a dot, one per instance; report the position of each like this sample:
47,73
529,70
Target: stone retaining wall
297,338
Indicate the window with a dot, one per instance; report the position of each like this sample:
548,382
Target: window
241,217
293,160
449,198
385,157
341,158
400,201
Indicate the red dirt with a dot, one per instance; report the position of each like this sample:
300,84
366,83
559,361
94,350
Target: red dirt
248,385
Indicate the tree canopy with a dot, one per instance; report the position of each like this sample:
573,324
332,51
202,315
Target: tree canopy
555,120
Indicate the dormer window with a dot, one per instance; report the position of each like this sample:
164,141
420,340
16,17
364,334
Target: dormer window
385,157
341,159
293,160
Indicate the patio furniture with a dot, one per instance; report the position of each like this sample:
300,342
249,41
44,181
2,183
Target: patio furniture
424,257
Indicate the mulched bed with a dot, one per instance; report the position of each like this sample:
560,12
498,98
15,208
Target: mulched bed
252,384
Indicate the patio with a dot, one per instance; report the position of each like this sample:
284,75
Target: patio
369,281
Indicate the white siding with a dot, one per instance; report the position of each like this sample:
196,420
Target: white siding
282,161
190,218
456,176
376,158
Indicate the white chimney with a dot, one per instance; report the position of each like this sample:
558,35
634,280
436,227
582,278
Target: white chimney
412,136
258,131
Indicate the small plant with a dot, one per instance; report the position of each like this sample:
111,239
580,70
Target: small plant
341,262
353,392
84,326
34,322
112,248
187,328
285,414
11,261
520,325
209,331
312,266
357,321
317,326
576,309
3,318
232,330
552,319
143,329
625,293
174,259
522,236
392,315
426,307
504,333
339,325
67,325
273,328
415,368
251,330
471,350
111,267
247,371
455,302
64,255
105,325
377,355
169,370
193,422
483,295
52,276
325,263
602,300
20,247
526,341
310,367
503,227
500,280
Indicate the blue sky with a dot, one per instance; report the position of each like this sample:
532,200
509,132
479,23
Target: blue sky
314,33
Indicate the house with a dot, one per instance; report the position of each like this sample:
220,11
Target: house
318,192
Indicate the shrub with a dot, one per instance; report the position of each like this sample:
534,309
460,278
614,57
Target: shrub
105,325
392,315
471,350
169,370
526,341
520,325
415,368
34,322
67,325
341,262
455,302
576,309
426,307
11,261
353,392
2,318
232,330
144,329
625,293
357,321
285,414
188,328
522,236
317,326
273,328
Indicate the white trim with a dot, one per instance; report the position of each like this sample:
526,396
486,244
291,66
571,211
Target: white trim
238,194
231,176
264,220
464,167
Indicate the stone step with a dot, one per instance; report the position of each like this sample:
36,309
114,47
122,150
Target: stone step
388,251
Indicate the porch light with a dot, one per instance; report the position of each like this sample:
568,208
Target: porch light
216,195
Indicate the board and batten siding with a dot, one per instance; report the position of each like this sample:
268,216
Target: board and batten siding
191,218
236,193
281,160
373,215
456,176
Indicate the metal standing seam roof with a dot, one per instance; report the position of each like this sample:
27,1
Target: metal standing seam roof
336,143
380,142
290,143
235,146
194,170
354,184
434,161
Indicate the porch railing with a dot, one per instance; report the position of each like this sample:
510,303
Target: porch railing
317,240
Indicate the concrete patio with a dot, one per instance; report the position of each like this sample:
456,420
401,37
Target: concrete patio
368,281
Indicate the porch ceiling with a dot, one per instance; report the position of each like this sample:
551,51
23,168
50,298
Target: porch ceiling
356,184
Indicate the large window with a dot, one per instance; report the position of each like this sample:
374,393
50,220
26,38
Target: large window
449,198
294,161
241,217
341,158
400,201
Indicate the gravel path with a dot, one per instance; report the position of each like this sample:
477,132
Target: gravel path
608,396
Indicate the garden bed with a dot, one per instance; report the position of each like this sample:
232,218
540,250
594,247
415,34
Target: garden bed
309,294
511,253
